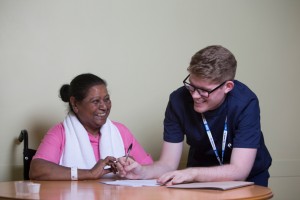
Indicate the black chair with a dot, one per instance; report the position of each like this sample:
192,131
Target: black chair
27,153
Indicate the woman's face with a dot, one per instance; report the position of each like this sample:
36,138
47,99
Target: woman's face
94,109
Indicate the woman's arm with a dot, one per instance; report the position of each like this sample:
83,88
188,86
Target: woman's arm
44,170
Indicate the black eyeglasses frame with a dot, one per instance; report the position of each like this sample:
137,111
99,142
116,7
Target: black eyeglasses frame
200,91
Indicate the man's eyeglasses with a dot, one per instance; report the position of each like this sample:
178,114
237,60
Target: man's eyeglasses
202,92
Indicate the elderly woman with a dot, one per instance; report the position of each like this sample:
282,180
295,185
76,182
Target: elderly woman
87,141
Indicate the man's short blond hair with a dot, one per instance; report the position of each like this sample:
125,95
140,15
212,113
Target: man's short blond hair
214,63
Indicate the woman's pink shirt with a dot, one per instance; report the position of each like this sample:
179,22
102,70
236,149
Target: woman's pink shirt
53,143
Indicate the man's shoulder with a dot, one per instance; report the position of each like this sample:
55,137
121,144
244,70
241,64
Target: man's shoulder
180,93
242,97
242,91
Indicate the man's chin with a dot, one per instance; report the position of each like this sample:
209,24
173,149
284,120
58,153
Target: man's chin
200,109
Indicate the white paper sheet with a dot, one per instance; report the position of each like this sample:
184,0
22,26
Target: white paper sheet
132,183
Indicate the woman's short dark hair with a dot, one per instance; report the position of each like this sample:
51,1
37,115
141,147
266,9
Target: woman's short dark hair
79,87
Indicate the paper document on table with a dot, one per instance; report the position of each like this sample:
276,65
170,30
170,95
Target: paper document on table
132,183
224,185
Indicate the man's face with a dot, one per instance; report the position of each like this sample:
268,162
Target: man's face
207,95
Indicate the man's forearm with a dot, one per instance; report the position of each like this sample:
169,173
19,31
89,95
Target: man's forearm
217,173
155,170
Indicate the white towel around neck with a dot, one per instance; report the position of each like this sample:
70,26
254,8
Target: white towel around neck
78,151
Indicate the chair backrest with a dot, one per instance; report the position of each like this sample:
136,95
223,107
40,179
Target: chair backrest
27,153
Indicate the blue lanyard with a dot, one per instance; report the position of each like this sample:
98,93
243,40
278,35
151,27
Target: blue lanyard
211,139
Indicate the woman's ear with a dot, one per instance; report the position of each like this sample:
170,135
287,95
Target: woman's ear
73,104
229,86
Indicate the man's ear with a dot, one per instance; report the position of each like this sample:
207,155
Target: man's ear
229,86
73,104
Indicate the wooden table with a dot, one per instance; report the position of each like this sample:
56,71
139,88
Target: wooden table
88,190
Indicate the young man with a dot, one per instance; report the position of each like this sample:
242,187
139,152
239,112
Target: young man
220,118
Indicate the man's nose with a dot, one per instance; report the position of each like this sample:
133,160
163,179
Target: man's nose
195,94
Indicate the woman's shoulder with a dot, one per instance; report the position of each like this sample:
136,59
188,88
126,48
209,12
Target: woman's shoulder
124,131
120,125
57,128
56,133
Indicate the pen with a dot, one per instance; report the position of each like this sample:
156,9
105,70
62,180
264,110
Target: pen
128,152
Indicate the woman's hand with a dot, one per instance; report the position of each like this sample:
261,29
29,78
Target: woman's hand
100,170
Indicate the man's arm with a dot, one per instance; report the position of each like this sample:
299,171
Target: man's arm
168,161
241,163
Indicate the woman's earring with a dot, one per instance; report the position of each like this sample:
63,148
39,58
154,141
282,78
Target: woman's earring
74,108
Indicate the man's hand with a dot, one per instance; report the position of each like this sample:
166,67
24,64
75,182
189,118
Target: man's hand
129,169
176,177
